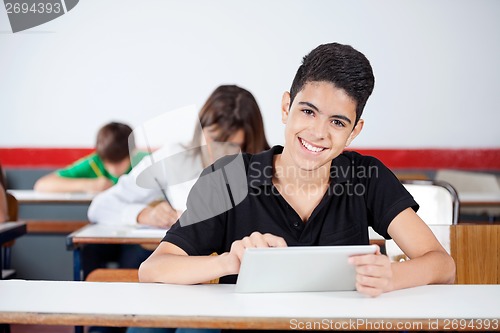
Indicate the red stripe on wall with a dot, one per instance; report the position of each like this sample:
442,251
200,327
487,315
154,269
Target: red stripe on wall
41,157
467,159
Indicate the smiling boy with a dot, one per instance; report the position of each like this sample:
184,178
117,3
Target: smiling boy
308,193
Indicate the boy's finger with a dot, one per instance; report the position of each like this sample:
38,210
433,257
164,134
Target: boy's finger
365,259
275,241
371,270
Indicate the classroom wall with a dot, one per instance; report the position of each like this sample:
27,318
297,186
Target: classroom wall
435,62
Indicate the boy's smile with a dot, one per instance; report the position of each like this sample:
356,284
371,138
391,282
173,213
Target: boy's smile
319,125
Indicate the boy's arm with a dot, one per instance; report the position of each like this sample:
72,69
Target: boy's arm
429,264
83,175
126,203
170,264
55,183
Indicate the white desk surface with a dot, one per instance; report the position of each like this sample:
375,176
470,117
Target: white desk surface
119,231
115,234
143,304
31,196
466,198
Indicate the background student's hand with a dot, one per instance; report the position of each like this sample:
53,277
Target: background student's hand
99,184
256,239
161,215
374,273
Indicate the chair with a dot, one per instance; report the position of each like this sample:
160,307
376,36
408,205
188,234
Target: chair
439,206
113,275
13,209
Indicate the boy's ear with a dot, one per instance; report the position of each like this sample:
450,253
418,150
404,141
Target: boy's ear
285,106
356,130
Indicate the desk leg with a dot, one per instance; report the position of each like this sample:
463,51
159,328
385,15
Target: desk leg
1,262
77,264
77,274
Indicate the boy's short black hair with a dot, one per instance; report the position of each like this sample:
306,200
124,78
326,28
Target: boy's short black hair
112,144
341,65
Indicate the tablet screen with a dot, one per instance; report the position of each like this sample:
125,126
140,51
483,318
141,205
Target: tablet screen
299,268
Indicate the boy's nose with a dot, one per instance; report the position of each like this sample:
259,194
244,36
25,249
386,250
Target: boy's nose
320,129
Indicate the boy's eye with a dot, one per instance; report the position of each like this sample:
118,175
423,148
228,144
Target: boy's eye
337,122
308,112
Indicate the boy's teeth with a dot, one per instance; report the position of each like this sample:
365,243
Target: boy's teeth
310,147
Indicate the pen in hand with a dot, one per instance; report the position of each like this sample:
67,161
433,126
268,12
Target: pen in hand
163,191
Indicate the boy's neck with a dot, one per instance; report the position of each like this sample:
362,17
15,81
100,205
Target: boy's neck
287,172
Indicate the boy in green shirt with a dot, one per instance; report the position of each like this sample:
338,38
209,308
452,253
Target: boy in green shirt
97,171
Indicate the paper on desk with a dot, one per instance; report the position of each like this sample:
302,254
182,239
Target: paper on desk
104,231
146,231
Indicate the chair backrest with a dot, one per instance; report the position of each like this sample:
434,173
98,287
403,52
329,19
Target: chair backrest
113,275
439,206
438,201
5,249
12,207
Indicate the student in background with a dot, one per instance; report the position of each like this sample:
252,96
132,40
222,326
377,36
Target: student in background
98,171
308,193
230,115
230,121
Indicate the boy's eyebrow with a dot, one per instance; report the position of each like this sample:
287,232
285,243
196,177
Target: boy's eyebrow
339,116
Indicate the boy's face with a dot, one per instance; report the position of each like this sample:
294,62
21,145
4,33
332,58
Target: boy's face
319,125
217,149
117,168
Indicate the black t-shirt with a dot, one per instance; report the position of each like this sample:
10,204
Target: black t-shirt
362,193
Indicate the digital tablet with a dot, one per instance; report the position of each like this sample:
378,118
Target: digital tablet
299,268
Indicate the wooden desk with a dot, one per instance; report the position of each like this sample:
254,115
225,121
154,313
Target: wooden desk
10,231
109,234
476,250
218,306
49,218
42,219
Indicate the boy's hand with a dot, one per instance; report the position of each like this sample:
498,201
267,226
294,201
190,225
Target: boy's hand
256,239
374,273
161,215
100,184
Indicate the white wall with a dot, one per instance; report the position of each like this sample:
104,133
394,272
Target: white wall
436,65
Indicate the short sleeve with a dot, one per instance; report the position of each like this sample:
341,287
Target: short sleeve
386,197
202,228
87,167
199,231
